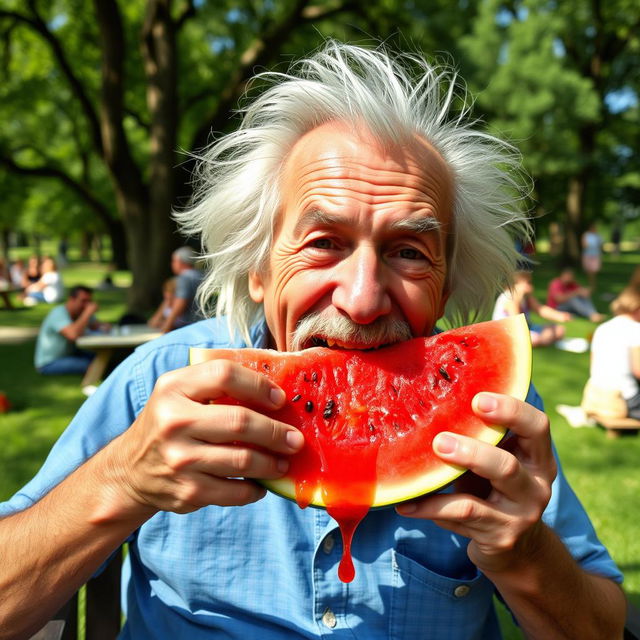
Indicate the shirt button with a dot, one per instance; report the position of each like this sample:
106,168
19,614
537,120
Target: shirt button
329,619
328,544
461,591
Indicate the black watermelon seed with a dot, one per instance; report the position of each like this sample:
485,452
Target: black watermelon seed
444,374
296,397
328,409
314,376
308,407
457,359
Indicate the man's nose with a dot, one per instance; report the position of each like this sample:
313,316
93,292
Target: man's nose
360,289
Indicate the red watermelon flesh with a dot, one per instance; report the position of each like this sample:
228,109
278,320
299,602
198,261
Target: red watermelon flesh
369,417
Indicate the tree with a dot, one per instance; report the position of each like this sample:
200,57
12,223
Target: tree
548,75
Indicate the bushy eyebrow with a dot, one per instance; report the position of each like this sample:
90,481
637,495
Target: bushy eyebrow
316,216
425,224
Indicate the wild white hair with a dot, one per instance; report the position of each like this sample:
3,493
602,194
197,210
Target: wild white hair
396,97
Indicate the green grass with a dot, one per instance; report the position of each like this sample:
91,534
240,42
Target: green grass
603,472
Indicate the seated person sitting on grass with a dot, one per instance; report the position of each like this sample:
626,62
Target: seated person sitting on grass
164,308
615,360
56,351
565,294
48,288
519,298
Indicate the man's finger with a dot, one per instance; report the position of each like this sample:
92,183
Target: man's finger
239,424
207,381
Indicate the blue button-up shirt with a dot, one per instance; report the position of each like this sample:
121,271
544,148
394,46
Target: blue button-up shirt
269,570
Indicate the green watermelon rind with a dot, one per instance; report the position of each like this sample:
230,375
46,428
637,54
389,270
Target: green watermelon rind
444,474
388,497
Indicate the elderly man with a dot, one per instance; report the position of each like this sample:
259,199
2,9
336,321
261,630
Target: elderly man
350,206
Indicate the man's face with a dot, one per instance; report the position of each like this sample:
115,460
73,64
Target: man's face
361,238
176,265
77,304
567,276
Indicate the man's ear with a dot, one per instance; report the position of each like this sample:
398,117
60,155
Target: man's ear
256,287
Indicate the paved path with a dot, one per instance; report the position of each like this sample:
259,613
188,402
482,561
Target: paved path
16,335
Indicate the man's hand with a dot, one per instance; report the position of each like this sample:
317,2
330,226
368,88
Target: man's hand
502,525
90,310
183,452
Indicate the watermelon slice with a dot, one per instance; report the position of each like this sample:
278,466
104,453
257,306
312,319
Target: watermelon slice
369,417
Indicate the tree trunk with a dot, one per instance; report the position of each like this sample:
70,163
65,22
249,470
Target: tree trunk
4,241
118,238
159,52
573,222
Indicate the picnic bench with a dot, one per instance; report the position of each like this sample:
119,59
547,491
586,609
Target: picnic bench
616,427
103,616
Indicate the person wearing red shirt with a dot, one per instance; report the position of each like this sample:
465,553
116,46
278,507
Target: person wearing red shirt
565,294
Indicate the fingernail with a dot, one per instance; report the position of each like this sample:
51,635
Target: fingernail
277,396
486,403
406,508
283,465
445,443
294,439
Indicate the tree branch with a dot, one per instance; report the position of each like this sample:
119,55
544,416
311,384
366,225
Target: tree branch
40,26
188,12
117,152
259,53
49,171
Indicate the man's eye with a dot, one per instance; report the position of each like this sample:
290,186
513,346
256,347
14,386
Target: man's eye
409,253
322,243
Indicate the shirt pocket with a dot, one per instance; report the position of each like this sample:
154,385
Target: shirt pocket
426,605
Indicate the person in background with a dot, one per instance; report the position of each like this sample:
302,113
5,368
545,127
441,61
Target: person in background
565,294
519,298
164,309
56,351
32,272
183,310
591,242
17,273
48,288
615,356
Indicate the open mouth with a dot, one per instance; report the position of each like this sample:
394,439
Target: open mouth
334,343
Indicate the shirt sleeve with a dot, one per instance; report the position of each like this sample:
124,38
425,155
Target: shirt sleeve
59,319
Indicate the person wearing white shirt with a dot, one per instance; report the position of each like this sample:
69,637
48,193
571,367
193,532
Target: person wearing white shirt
615,351
49,288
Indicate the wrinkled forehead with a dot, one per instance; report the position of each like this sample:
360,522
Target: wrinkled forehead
335,154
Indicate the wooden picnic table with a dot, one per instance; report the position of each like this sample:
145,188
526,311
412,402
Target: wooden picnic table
104,345
5,291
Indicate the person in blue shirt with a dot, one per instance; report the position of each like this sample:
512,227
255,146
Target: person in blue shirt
355,208
56,351
183,309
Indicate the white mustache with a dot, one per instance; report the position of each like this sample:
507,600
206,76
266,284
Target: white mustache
383,330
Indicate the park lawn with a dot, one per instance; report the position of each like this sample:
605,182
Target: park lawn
603,472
